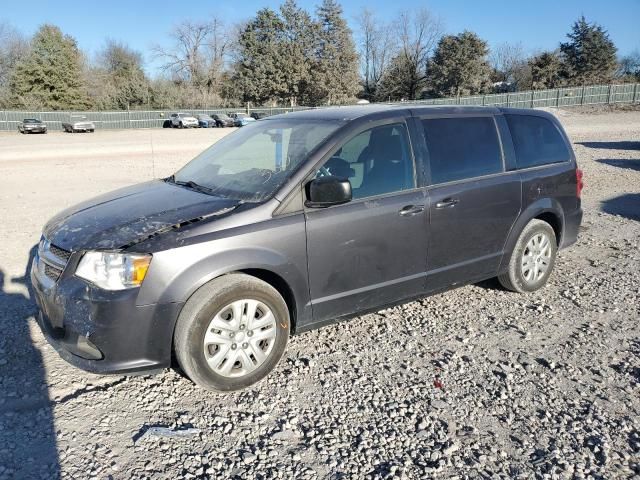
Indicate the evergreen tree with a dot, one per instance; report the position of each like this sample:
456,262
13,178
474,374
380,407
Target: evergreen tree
296,51
396,83
259,73
335,78
459,66
50,76
589,55
546,71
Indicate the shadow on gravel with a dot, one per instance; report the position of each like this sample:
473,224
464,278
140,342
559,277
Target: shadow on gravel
627,205
490,284
621,145
27,432
622,163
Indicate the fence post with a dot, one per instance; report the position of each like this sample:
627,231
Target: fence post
609,95
507,99
582,96
532,95
6,119
484,100
635,90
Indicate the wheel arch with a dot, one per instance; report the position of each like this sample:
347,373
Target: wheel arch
281,285
547,210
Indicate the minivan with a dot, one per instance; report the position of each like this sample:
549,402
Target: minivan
301,220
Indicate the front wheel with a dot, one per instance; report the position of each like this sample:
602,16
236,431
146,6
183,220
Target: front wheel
232,332
532,259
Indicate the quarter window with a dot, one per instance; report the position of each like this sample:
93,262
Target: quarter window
536,140
376,161
461,148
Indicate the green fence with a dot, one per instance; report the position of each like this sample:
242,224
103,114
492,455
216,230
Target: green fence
561,97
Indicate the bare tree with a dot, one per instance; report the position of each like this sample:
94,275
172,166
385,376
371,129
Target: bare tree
186,59
198,58
418,33
217,52
510,64
377,46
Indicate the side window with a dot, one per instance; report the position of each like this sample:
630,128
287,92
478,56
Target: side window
536,140
461,148
376,161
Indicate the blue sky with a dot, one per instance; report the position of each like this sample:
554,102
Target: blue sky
141,23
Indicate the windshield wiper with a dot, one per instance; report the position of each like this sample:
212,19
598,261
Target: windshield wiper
190,184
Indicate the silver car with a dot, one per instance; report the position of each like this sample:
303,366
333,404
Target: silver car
78,123
32,125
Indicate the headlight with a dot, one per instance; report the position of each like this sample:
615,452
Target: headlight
114,271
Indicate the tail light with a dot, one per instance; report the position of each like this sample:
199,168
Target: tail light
579,182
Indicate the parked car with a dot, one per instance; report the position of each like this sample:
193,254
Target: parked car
223,120
259,115
241,119
298,221
78,123
183,120
206,121
32,125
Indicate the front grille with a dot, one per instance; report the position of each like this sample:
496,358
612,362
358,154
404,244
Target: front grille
52,272
52,260
60,253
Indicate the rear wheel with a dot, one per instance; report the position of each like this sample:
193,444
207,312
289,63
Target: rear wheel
232,332
532,259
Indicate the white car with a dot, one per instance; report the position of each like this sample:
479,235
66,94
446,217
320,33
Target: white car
183,120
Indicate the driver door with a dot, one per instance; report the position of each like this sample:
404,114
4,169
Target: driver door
371,251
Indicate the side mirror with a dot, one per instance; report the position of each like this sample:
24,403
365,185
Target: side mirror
327,191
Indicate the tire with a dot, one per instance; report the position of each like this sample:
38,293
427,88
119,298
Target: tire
180,125
212,303
535,250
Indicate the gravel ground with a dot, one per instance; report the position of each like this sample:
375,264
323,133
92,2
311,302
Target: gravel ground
474,383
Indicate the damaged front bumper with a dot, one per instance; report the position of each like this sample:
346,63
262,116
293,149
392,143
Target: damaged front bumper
102,331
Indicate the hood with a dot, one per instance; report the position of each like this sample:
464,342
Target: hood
130,215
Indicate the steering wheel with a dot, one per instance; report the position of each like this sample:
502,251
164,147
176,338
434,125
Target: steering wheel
323,172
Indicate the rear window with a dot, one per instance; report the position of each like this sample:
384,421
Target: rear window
536,140
461,148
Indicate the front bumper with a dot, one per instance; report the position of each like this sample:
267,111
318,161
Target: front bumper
103,331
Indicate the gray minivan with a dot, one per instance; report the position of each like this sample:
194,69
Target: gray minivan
300,220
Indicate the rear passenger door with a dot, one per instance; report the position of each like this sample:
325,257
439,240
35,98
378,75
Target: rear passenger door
474,200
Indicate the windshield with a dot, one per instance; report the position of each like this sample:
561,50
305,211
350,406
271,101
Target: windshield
223,116
31,120
204,117
252,163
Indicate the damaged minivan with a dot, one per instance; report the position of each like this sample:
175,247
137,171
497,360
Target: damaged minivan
300,220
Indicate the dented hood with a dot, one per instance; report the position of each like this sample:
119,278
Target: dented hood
130,215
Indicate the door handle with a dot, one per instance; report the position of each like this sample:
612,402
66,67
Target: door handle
447,203
410,210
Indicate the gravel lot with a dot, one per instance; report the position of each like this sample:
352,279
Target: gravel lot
474,383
